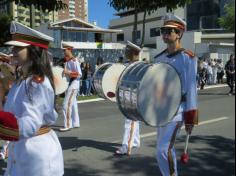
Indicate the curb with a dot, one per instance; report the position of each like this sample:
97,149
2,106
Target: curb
101,99
214,86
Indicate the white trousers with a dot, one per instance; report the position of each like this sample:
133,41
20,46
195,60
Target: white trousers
131,137
4,151
165,151
70,109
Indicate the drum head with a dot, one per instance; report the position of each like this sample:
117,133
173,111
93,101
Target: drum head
60,81
110,80
159,94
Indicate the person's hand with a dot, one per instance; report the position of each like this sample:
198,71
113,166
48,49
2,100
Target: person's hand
189,128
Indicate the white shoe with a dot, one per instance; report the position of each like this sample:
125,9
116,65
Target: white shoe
2,156
122,151
64,129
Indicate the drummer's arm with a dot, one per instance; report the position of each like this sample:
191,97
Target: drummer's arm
77,73
191,111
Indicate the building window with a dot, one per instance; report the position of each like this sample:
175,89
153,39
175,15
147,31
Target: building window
120,37
138,35
155,32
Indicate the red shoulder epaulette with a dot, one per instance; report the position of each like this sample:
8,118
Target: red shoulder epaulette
38,79
189,53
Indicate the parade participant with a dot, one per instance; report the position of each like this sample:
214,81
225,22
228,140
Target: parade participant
70,107
230,73
131,136
29,109
186,65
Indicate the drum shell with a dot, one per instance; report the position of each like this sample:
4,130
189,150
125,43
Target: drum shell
127,90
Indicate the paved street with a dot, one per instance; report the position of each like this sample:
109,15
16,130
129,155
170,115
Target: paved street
89,149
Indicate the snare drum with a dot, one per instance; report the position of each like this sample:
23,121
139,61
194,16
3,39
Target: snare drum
149,92
106,78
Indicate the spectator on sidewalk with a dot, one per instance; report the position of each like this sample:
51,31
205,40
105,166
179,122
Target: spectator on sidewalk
214,71
89,77
210,74
220,71
230,73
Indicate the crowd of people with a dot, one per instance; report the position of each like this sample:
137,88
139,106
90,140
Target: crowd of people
213,71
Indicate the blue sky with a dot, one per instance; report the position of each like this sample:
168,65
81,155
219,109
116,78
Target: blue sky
101,12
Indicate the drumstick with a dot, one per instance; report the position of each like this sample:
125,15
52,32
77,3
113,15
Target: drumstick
184,156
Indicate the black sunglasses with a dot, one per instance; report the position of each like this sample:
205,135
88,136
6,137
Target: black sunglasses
168,31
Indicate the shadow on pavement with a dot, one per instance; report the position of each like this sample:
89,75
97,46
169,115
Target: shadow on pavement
218,158
74,143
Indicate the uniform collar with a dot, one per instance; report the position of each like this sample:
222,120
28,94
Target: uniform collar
69,59
175,53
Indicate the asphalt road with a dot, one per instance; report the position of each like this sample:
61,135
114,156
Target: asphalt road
89,149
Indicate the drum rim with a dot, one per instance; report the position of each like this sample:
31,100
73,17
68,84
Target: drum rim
180,95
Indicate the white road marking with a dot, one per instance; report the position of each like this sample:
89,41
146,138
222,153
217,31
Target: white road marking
200,124
89,101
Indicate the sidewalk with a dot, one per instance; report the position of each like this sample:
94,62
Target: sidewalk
101,99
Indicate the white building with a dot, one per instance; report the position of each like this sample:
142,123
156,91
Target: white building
153,24
81,34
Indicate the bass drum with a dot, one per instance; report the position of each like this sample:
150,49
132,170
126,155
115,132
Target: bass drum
60,80
106,78
150,93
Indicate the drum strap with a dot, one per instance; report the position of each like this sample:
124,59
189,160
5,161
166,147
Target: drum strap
184,98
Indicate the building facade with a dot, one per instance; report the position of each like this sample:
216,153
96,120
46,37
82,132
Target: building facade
27,16
152,28
76,9
201,15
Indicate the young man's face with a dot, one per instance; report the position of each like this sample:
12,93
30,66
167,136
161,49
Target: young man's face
170,35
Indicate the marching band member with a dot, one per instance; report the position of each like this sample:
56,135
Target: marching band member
29,111
70,106
131,136
186,65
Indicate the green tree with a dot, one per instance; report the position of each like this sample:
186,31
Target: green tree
228,20
148,7
5,22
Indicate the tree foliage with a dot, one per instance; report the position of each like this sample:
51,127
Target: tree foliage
5,22
146,6
228,20
45,5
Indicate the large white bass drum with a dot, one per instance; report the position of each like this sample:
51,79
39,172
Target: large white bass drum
60,80
149,92
105,80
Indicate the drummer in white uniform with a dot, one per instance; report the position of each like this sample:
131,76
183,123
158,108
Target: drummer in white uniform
185,63
70,106
29,110
131,136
